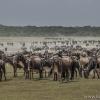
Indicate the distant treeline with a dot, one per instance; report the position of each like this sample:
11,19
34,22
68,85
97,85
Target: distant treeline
49,31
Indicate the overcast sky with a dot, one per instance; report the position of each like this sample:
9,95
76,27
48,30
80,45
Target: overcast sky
50,12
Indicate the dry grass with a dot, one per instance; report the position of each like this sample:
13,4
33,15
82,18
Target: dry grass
46,89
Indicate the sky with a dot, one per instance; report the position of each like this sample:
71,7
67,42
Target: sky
50,12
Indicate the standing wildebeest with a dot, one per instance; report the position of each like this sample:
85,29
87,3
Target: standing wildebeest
84,62
64,68
16,63
47,64
2,69
9,60
35,64
94,65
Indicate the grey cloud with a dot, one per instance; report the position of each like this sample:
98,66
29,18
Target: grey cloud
50,12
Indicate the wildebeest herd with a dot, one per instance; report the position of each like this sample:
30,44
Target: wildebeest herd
64,64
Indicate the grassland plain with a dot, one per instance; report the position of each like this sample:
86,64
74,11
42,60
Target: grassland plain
46,89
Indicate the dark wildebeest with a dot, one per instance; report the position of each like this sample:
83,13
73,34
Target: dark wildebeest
2,69
94,65
47,64
17,59
35,64
9,60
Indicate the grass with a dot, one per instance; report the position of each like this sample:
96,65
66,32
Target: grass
46,89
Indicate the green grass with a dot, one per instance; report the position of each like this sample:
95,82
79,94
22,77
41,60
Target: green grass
46,89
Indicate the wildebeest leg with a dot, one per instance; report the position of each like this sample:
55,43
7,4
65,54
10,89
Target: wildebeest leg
30,74
55,76
97,71
85,74
27,74
4,71
77,69
72,72
76,73
0,75
50,73
15,70
24,71
63,76
44,70
67,75
59,77
93,74
80,72
45,73
40,74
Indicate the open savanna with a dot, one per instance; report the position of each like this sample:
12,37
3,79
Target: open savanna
46,89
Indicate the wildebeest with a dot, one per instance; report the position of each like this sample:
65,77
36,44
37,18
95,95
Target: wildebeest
16,63
35,65
64,68
2,69
94,65
84,61
47,64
